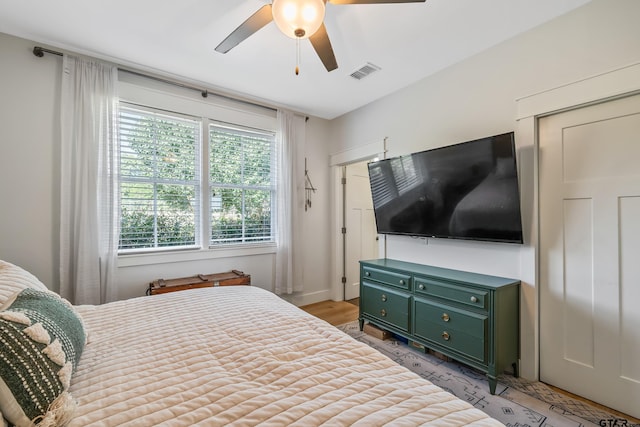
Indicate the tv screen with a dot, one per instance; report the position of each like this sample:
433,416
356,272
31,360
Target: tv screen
462,191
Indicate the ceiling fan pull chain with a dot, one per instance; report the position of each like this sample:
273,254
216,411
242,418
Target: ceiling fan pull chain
297,55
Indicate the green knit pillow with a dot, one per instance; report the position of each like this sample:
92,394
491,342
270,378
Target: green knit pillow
41,341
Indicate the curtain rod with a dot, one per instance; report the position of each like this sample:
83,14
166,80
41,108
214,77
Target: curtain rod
40,51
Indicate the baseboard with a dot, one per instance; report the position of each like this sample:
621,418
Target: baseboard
300,299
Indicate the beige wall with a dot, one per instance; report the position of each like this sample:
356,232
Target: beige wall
29,158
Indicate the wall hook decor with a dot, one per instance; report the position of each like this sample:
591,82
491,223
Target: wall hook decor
308,187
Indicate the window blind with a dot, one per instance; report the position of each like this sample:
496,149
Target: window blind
241,185
159,179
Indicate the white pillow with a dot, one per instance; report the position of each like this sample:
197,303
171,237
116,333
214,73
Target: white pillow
14,278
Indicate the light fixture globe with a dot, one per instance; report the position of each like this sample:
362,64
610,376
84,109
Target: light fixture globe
298,19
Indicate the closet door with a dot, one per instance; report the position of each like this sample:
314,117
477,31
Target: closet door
590,252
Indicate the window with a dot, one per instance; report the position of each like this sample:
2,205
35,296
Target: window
159,180
241,185
162,155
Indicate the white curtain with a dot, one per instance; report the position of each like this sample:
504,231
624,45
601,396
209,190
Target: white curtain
89,220
290,147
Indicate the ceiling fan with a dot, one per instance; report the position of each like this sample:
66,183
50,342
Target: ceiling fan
298,19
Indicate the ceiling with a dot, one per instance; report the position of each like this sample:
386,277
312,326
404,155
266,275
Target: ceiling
177,39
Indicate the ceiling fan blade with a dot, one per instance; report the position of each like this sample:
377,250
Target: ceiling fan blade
373,1
320,42
256,21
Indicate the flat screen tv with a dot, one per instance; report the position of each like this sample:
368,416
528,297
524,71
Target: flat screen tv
462,191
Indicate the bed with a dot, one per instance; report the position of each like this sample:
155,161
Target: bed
226,356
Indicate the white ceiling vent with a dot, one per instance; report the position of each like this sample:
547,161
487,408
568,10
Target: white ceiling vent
364,71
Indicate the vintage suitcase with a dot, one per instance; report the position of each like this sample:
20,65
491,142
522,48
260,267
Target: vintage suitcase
233,277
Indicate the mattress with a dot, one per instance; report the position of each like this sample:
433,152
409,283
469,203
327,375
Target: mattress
241,356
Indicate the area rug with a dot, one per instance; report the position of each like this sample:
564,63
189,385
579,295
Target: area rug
517,402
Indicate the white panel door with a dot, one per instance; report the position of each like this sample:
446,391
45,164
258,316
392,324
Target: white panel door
590,252
361,238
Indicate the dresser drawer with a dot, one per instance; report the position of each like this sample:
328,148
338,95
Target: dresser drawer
387,305
471,347
447,317
462,331
463,295
399,280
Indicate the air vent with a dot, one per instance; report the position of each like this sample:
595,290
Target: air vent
364,71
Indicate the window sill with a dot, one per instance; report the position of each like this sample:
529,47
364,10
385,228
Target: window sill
132,260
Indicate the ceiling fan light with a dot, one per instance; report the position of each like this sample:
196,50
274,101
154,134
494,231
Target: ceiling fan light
309,13
298,18
289,11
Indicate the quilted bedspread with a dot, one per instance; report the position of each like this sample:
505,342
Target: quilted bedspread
241,356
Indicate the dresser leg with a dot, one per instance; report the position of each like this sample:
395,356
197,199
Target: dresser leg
493,382
361,322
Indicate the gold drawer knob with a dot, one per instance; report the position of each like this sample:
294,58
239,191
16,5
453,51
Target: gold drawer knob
474,299
383,312
445,336
401,282
445,317
384,298
366,273
421,287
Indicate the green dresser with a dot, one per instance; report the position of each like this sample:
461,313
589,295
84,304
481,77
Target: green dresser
472,318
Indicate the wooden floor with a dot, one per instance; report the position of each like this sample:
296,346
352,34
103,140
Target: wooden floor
334,312
341,312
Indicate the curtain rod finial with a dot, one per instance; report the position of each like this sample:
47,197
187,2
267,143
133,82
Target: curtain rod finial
205,93
37,51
